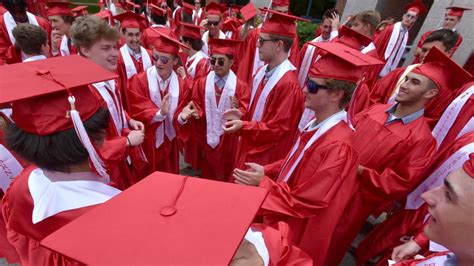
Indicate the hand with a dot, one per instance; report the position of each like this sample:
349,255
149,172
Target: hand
181,72
188,111
232,114
234,102
136,125
405,251
165,105
246,255
251,177
233,126
55,40
136,137
360,169
334,21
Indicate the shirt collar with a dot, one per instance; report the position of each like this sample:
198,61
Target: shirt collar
269,73
217,78
133,53
35,58
405,119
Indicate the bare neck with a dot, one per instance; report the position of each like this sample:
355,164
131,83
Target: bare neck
322,115
277,60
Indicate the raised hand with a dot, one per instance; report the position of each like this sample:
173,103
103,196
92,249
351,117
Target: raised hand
251,176
165,105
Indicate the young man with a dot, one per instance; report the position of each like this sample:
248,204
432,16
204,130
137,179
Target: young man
391,42
32,42
158,23
61,18
197,62
15,15
386,89
268,129
97,41
198,13
452,17
392,156
310,188
154,97
213,23
133,58
212,95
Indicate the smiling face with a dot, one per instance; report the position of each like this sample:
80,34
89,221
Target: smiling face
214,24
104,53
450,22
219,59
58,23
132,38
415,88
326,29
164,63
452,210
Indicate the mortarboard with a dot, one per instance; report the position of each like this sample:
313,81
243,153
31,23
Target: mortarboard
165,219
79,11
188,8
190,30
47,99
158,11
167,44
468,166
231,24
248,11
352,38
129,19
131,5
456,11
280,2
105,15
224,46
56,8
214,8
280,24
442,70
417,7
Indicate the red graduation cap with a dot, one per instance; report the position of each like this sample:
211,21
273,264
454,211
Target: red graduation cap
131,20
60,8
442,70
224,46
231,24
469,165
281,2
214,8
417,7
165,219
456,11
131,5
352,38
341,62
167,44
190,30
188,8
158,11
105,15
79,11
280,24
47,99
248,11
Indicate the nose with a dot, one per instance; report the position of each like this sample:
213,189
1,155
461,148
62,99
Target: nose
430,196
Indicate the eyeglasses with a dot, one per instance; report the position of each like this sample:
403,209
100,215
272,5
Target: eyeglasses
410,16
163,59
219,61
313,87
261,40
213,23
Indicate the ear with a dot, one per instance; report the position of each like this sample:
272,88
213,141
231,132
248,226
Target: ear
337,95
231,62
430,94
450,52
175,60
84,51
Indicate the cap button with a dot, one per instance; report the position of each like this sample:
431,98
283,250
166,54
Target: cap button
168,211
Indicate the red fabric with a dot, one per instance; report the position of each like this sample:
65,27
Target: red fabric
72,48
393,157
422,41
295,52
8,53
23,234
280,250
202,68
216,163
386,235
384,87
381,41
315,196
246,54
166,157
271,138
150,34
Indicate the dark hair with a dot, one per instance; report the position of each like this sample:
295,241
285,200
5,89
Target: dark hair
187,18
160,20
346,86
9,4
68,19
370,17
59,151
196,44
30,38
328,13
449,38
287,41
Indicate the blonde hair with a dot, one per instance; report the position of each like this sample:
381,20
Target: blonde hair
88,30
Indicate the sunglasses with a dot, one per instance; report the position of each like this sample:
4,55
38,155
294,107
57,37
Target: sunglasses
213,23
410,16
313,87
219,61
163,59
261,41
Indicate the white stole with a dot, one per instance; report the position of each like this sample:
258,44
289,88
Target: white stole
51,198
214,112
407,71
205,40
450,114
10,23
196,58
393,54
116,112
306,63
322,128
281,70
9,168
368,48
167,126
63,47
130,68
454,162
469,127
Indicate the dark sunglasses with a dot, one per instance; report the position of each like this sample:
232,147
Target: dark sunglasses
213,23
313,87
163,59
219,61
261,41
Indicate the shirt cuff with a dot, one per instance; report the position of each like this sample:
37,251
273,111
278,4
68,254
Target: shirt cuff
158,117
256,238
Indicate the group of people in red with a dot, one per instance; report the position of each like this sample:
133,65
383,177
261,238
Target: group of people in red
334,132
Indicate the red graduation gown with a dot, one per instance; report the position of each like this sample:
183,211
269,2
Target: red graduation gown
23,234
315,195
166,157
8,53
270,139
403,222
216,163
422,41
202,68
384,87
394,157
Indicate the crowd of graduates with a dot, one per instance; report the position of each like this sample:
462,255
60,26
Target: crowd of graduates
294,148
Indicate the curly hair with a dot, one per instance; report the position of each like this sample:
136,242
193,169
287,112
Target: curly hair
88,30
30,38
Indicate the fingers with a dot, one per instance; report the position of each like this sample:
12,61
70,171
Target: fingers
141,126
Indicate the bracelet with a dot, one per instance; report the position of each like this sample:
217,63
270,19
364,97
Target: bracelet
129,143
